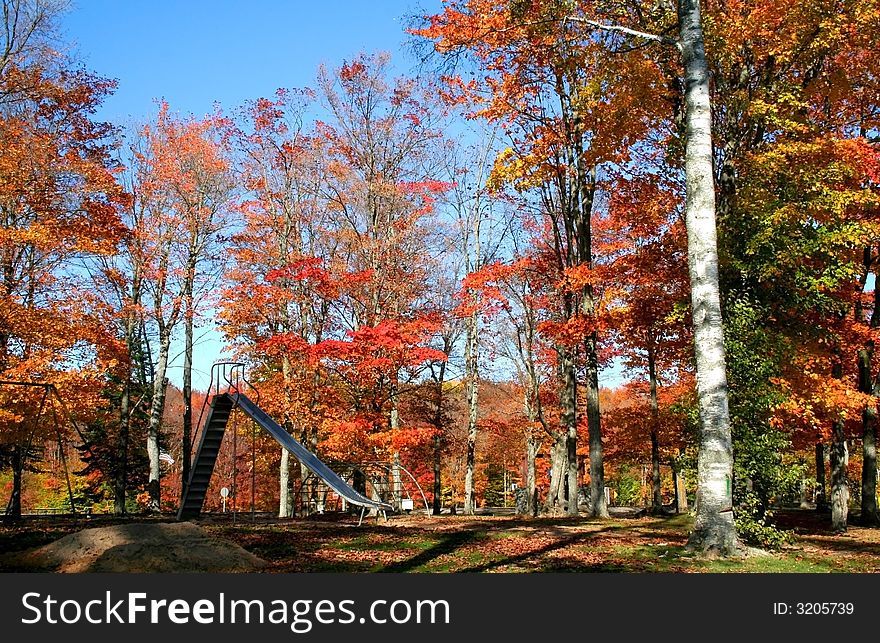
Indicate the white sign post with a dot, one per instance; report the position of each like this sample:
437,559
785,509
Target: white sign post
224,493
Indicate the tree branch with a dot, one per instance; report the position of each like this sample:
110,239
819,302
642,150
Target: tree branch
666,40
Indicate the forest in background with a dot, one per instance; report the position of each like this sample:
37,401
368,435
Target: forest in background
432,269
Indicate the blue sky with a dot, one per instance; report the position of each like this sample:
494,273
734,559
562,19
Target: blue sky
196,53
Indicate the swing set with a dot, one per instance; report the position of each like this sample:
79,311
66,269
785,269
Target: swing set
21,453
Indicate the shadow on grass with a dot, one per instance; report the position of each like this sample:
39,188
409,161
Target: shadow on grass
842,543
453,542
563,564
449,543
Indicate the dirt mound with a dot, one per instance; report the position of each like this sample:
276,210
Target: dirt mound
150,547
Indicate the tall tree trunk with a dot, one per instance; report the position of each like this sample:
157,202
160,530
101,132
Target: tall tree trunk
285,497
570,420
437,501
471,368
656,497
572,482
532,408
584,226
394,422
821,499
568,432
472,365
157,407
134,357
121,472
186,442
13,509
868,517
397,491
839,462
714,528
558,456
598,505
531,475
839,486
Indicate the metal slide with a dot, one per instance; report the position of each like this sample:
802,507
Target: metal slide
221,406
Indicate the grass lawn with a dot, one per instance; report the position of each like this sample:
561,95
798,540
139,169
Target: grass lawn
504,544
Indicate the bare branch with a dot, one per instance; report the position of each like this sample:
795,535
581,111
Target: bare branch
27,28
666,40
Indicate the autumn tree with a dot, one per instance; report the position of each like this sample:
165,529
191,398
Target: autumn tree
471,206
795,104
461,24
119,278
536,88
652,325
381,144
279,285
181,194
335,256
521,303
29,26
58,207
446,341
447,337
778,93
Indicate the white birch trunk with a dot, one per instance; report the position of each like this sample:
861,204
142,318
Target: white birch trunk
472,374
656,496
284,504
395,457
157,407
714,528
473,405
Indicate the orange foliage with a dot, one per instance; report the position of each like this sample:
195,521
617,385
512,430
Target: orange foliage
58,206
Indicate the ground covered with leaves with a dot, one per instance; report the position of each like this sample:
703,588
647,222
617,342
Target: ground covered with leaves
505,544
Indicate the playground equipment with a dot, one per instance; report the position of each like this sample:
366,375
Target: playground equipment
309,496
26,451
221,407
381,475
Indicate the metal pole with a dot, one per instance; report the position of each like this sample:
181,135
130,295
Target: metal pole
64,462
253,471
504,479
234,466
